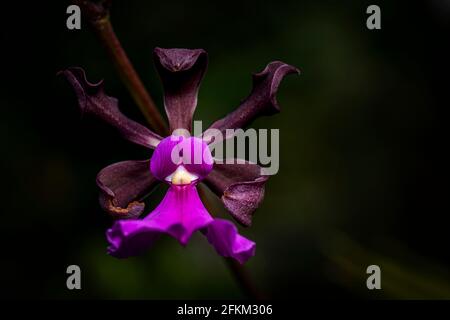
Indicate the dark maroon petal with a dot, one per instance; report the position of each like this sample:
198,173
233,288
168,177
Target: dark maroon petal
240,186
122,185
92,99
261,101
181,71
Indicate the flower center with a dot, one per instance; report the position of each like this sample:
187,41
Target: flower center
181,177
181,160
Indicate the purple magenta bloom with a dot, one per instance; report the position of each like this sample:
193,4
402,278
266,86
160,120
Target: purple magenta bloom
181,162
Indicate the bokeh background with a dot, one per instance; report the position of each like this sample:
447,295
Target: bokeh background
363,173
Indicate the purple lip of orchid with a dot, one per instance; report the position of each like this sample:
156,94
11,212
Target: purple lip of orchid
125,184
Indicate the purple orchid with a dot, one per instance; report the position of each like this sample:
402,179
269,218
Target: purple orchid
125,184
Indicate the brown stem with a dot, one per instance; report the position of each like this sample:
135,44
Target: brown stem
98,16
239,272
243,278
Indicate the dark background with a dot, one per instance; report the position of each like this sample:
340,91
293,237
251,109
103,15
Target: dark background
363,173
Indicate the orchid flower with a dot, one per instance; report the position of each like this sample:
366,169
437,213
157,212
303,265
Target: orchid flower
124,185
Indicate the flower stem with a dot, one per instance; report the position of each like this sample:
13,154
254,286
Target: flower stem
98,16
244,280
239,272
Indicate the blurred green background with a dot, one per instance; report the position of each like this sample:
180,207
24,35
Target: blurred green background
362,171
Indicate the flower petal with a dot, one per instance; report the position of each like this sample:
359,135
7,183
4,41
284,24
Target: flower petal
181,71
179,214
164,160
197,157
123,185
92,99
261,101
173,151
240,187
224,237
